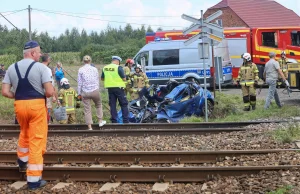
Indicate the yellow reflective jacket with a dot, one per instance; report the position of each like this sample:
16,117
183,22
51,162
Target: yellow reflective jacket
68,98
140,80
248,73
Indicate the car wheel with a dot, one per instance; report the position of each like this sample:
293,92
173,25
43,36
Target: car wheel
210,108
191,79
163,121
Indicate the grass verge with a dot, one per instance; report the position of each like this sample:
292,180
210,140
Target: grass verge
283,190
287,134
229,108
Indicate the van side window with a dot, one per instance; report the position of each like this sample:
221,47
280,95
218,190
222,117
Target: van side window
166,57
295,36
269,39
140,56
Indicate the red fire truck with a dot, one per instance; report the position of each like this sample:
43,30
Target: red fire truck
256,41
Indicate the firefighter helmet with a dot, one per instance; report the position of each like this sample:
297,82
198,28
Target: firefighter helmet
283,53
247,56
64,81
130,61
138,66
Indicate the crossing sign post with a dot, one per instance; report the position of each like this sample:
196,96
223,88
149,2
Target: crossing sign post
208,31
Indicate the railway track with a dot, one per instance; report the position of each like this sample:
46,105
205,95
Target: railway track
149,125
139,174
144,129
8,134
137,157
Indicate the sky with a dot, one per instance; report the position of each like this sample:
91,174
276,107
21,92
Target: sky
51,15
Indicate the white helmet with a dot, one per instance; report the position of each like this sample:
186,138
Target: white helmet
138,66
64,81
283,53
247,56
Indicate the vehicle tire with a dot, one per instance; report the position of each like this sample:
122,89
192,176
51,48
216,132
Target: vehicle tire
210,107
191,79
163,121
147,117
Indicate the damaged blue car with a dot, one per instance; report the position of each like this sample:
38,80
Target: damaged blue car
187,99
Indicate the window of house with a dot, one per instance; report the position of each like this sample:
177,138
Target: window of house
219,22
139,57
166,57
269,39
295,35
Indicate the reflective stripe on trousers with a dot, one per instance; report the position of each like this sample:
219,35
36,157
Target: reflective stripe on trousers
32,117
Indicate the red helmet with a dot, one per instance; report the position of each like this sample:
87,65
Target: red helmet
130,61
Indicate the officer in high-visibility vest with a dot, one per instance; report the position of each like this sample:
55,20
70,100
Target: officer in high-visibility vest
67,97
248,78
114,80
139,81
283,66
127,70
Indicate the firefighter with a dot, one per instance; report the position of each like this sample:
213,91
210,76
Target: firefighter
68,98
127,70
248,78
139,80
283,66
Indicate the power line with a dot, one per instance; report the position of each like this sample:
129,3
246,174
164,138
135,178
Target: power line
13,24
76,13
12,11
9,21
101,19
17,11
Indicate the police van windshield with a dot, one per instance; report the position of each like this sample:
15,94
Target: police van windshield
139,57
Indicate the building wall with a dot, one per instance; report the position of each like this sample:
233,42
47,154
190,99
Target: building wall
229,17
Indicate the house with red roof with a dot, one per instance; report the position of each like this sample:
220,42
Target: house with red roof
254,14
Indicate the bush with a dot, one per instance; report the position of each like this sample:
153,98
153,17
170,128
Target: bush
8,59
101,54
69,58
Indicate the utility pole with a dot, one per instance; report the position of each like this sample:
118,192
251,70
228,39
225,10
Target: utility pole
204,67
29,15
213,65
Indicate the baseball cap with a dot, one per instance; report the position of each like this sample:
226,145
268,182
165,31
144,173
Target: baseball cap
116,58
2,65
31,44
87,58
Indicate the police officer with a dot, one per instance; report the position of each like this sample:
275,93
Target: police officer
32,83
283,66
247,78
127,71
114,80
139,81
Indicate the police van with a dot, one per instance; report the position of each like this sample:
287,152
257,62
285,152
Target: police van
166,60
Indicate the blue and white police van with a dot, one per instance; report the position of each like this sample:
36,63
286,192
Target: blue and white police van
171,59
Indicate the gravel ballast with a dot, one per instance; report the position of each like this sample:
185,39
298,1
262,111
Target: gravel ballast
252,139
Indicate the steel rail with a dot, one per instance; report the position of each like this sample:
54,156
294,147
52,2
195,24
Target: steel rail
8,134
178,174
136,157
148,125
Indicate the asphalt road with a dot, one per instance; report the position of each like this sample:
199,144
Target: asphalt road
294,98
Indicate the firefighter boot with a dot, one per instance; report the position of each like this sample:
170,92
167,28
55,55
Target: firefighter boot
253,102
246,103
246,108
